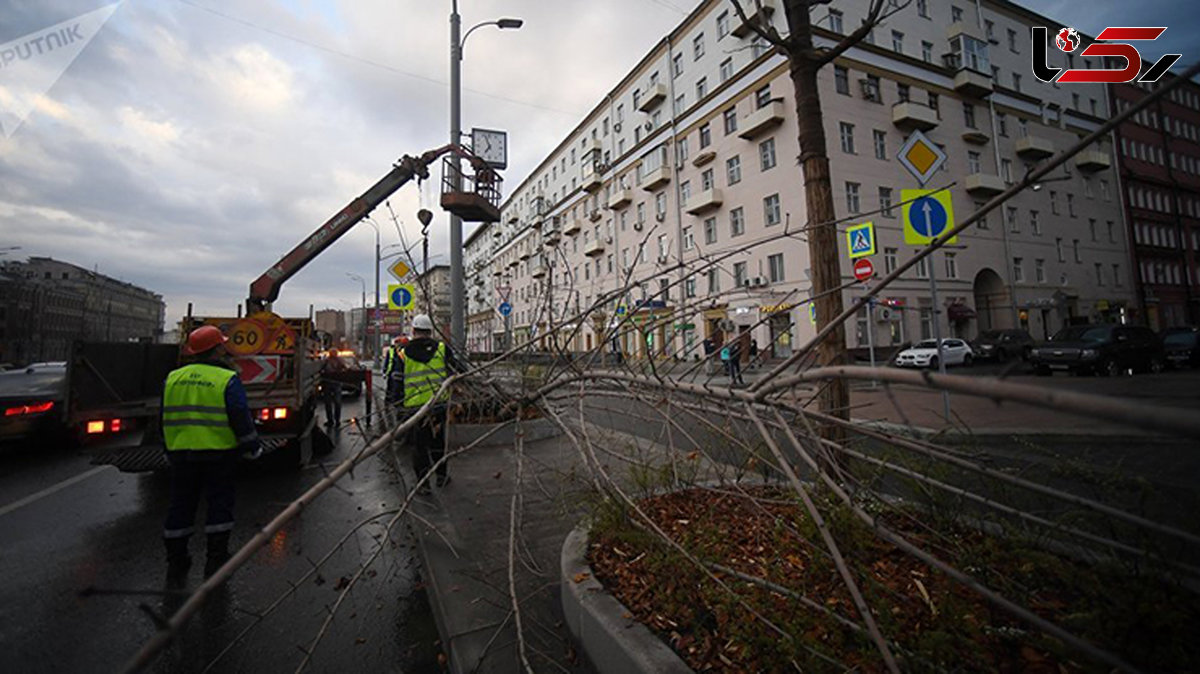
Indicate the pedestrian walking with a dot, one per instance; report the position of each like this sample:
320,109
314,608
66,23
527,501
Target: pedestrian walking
753,353
332,372
735,363
710,355
427,362
393,374
206,424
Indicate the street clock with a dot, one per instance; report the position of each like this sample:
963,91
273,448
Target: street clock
490,146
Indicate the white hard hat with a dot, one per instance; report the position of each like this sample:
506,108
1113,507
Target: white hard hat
422,322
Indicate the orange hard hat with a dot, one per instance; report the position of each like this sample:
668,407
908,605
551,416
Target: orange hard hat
204,338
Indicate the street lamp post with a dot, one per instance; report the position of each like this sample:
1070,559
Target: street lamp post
363,340
458,324
375,308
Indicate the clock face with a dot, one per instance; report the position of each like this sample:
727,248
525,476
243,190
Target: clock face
490,146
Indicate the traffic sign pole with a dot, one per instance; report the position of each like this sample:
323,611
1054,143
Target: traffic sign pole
871,333
937,336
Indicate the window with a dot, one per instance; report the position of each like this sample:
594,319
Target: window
1099,274
1014,225
956,14
689,287
923,268
662,245
880,140
1071,205
775,267
923,8
835,21
714,282
973,162
726,69
1058,248
969,115
722,24
660,204
1053,202
1002,124
1016,80
1116,275
705,135
766,154
681,149
1018,270
897,41
771,211
951,266
871,90
885,202
982,222
679,105
677,65
737,222
889,260
989,30
739,274
1075,248
733,170
710,231
730,119
852,200
1112,231
762,97
841,80
1012,40
641,214
706,179
689,241
926,51
698,47
1104,193
1092,228
1035,225
701,88
846,131
933,103
1039,270
1006,170
902,92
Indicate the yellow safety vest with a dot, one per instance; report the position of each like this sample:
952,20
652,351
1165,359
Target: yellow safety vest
422,380
194,415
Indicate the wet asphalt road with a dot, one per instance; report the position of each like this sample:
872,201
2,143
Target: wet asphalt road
67,527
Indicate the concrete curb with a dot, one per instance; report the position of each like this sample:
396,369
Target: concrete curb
461,435
614,644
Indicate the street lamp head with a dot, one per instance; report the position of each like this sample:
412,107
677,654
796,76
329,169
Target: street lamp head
509,23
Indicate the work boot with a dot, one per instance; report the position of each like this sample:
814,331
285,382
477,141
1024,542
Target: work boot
218,552
178,561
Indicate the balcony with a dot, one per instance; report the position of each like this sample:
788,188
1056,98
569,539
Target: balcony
1033,147
620,198
910,115
761,16
704,157
594,248
654,94
972,84
984,185
761,120
963,28
525,254
551,239
538,270
703,201
590,178
572,227
538,221
975,137
656,178
513,219
1090,161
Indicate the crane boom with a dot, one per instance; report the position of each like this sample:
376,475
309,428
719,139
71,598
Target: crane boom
265,289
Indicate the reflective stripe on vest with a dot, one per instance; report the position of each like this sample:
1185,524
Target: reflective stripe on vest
194,415
422,380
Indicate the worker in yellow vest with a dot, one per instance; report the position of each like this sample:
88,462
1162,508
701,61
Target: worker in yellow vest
427,363
206,425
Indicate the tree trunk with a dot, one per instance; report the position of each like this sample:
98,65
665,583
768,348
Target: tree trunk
822,240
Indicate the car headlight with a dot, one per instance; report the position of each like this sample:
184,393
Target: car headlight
1087,354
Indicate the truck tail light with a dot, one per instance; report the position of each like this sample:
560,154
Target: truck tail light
98,426
269,413
32,408
94,427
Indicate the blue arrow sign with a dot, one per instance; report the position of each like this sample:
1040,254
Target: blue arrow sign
401,296
505,308
928,217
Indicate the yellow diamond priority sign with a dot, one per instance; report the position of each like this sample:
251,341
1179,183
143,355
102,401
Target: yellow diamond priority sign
399,270
921,156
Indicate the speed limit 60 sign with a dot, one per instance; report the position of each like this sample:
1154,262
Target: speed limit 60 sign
247,337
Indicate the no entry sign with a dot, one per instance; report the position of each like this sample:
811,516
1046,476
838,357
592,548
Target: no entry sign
863,269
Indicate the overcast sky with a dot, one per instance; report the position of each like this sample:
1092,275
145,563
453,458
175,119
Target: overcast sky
194,142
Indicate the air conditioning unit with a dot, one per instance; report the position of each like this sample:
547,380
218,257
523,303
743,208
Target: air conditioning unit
617,127
637,226
870,89
885,314
649,126
595,214
660,216
759,282
608,240
662,259
745,283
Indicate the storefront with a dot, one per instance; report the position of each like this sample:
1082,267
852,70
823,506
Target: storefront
779,329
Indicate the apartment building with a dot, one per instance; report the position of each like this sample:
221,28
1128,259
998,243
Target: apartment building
676,209
433,296
484,322
1159,158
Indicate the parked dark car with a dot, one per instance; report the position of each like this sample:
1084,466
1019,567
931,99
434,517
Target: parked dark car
1182,346
31,401
1107,350
1002,345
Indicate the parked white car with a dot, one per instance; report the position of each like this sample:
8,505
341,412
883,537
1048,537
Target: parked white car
925,353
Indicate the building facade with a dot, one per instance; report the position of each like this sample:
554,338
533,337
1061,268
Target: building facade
1159,155
675,211
485,292
332,322
47,304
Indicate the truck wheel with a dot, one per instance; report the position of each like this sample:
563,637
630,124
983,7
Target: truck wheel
1109,368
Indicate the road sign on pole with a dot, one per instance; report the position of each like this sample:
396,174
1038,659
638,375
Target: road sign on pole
399,270
927,215
860,240
505,308
921,157
863,269
400,296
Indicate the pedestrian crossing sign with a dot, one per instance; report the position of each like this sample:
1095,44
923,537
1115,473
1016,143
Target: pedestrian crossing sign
860,240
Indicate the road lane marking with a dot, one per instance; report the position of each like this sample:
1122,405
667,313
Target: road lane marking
51,490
